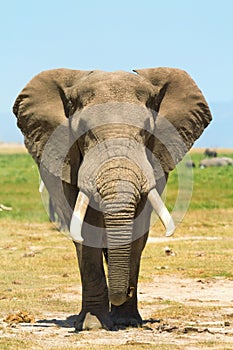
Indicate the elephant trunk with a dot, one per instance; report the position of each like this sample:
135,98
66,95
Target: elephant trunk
119,198
119,252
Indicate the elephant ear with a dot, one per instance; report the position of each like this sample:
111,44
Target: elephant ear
42,109
183,114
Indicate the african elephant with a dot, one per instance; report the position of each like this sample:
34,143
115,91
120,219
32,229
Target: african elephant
210,152
216,161
105,142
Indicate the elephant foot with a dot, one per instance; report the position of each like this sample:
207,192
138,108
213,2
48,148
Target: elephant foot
125,318
87,320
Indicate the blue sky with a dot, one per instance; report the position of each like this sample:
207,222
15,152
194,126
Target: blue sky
195,35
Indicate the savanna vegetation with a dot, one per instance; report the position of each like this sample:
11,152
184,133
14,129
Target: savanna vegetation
19,180
39,271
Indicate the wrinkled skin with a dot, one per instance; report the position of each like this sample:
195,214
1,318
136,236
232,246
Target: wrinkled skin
114,136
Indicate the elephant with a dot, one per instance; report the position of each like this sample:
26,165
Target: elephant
210,152
104,143
228,160
216,161
190,164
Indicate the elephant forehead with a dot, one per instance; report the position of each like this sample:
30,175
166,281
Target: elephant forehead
113,86
113,78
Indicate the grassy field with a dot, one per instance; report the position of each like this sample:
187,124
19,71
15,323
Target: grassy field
19,188
38,265
212,187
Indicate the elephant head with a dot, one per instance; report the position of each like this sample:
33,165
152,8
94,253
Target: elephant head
109,138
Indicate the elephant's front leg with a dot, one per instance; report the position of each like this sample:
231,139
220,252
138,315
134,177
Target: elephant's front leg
127,314
95,303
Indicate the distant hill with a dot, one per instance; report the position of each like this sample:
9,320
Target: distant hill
219,134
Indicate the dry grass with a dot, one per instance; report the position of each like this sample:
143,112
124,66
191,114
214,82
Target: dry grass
202,244
39,275
37,263
219,150
12,148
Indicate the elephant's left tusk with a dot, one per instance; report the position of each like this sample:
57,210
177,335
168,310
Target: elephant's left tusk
162,212
78,217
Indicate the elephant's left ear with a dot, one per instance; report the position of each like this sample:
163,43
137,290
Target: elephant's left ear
42,109
183,114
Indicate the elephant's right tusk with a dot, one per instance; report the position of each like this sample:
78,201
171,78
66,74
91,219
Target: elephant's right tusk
162,212
41,187
78,217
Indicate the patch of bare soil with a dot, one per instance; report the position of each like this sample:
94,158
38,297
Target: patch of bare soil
213,322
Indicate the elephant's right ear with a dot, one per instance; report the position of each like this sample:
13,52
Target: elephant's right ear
183,114
42,107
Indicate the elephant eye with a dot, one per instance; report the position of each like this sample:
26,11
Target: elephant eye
70,108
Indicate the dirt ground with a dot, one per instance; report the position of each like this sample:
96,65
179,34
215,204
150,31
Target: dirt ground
213,323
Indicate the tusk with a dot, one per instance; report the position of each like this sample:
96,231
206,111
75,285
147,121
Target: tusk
78,217
162,212
41,187
3,207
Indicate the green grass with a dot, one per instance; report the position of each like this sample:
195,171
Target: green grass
19,182
212,187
